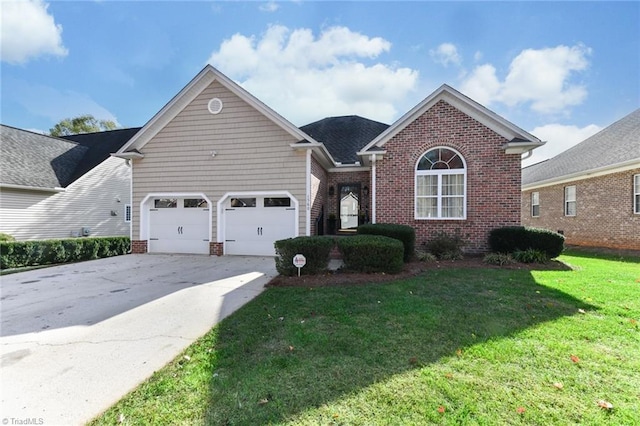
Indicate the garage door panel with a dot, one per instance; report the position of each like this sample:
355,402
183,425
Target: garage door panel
179,229
252,230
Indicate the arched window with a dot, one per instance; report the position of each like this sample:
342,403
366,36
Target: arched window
441,185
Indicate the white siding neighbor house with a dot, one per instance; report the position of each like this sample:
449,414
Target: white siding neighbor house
63,187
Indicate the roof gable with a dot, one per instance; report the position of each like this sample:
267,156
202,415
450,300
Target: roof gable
518,138
179,102
617,145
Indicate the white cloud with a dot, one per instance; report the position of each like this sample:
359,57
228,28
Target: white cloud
540,78
559,138
446,54
270,6
29,31
306,77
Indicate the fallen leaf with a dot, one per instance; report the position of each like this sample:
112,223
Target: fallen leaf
281,318
263,401
605,405
449,376
187,357
335,416
441,409
575,359
520,410
582,311
121,418
413,360
558,385
633,322
291,348
459,352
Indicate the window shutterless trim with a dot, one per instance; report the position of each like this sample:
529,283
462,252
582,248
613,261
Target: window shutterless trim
570,201
439,196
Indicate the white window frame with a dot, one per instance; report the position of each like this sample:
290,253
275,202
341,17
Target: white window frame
439,173
535,202
636,194
127,213
568,200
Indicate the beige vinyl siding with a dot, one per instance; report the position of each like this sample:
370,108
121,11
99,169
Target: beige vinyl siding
252,154
88,202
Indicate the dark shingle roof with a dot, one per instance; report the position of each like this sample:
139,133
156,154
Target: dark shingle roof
31,159
344,136
100,145
618,143
40,161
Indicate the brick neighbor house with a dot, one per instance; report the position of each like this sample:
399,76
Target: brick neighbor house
216,171
590,192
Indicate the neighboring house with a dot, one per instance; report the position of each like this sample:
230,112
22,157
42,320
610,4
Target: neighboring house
590,192
63,187
216,171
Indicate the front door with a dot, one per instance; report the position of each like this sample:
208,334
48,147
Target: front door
349,206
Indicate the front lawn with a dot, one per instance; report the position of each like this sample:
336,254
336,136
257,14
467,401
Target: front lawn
453,346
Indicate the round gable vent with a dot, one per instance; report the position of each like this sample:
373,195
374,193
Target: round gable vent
215,106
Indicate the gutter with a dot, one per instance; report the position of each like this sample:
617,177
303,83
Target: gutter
32,188
585,174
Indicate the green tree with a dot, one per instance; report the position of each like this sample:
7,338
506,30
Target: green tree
86,123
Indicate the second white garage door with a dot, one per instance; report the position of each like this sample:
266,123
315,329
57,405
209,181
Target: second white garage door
253,224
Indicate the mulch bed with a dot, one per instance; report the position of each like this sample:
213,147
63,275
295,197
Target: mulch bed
412,269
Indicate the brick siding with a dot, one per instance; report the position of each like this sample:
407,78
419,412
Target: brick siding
604,212
493,177
138,246
318,193
216,249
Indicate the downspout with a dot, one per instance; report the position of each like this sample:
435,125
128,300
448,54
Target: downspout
129,163
308,195
373,188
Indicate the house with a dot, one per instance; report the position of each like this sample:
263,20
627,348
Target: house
216,171
590,192
63,187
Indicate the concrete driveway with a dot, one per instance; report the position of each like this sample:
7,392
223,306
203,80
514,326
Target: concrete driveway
76,338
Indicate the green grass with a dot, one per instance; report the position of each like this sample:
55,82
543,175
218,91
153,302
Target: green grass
486,346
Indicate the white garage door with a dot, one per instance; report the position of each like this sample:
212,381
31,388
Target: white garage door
179,225
253,224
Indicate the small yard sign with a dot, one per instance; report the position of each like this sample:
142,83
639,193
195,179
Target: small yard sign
299,261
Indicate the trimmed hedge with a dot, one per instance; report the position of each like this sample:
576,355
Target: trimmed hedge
404,233
510,239
372,253
316,249
18,254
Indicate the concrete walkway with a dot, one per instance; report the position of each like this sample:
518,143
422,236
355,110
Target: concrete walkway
76,338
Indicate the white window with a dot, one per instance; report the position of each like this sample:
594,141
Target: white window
535,204
636,194
441,191
570,200
127,212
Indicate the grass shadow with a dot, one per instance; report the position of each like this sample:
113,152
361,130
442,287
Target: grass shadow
295,349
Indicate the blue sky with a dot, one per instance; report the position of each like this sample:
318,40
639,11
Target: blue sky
561,70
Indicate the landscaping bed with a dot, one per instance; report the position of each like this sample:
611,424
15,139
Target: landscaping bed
411,269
